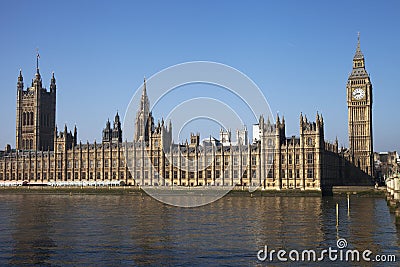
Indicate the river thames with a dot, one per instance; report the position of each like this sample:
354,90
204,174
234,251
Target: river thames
136,230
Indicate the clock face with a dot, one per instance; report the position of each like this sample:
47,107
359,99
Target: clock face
358,93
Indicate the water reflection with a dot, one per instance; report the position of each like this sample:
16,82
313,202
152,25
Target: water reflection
137,230
32,229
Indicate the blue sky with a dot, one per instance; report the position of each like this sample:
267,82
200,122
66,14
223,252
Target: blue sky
298,52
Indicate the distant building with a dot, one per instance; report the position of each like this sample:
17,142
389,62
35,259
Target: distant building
386,163
271,160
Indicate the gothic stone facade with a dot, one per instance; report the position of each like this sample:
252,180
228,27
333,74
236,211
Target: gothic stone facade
270,161
36,114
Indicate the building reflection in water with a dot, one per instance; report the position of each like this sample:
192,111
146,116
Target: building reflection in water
138,230
31,232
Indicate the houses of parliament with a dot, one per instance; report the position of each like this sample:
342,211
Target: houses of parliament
45,155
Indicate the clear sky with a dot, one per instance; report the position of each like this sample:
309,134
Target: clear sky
298,52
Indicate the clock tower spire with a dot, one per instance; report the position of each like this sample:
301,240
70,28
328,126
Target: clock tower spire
359,104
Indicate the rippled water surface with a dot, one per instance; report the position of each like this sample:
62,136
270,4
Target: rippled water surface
132,230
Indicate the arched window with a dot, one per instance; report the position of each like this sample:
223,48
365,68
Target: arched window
31,118
30,144
309,141
24,119
270,143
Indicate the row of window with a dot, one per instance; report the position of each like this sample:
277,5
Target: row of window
26,165
353,82
183,174
92,163
45,120
27,119
90,176
27,144
146,162
309,159
207,174
191,161
309,142
296,173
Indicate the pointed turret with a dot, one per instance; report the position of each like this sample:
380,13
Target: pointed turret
64,140
75,135
261,121
117,131
20,83
107,132
317,122
278,131
53,83
116,120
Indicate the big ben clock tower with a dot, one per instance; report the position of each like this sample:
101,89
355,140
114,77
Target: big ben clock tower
359,104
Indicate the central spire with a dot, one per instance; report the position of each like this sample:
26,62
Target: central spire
144,120
144,102
144,86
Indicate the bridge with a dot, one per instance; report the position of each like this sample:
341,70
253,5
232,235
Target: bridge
393,195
